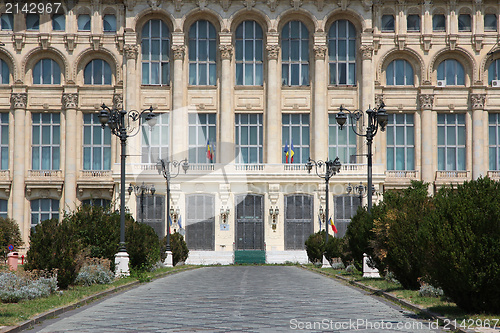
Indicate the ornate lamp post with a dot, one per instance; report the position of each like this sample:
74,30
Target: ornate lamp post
169,170
141,192
329,168
376,117
121,124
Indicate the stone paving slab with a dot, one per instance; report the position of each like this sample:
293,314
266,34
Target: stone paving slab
240,299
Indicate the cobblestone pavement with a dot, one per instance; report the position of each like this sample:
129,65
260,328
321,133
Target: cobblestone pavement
239,299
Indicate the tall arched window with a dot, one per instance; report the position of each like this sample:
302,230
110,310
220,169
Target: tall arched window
494,71
97,72
295,54
202,51
46,71
155,45
249,54
342,53
399,73
4,72
451,73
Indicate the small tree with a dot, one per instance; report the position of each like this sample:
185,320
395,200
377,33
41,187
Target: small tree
9,234
315,246
178,247
143,245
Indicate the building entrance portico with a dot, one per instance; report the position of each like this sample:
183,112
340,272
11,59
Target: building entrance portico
249,241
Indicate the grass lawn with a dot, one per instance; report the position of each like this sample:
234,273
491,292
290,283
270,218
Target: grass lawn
439,305
14,313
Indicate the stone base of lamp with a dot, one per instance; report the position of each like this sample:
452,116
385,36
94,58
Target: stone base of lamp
121,264
326,263
169,259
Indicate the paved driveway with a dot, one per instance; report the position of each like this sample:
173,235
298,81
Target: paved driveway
239,299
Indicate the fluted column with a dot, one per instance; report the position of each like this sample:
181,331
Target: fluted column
19,101
478,162
320,113
225,148
131,100
178,118
426,103
70,103
368,95
272,114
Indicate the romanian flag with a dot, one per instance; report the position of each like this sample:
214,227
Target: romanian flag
169,220
334,228
210,154
291,152
286,152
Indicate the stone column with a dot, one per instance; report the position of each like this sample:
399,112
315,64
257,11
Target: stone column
273,149
225,148
178,116
428,141
70,103
19,102
368,97
320,114
478,138
131,99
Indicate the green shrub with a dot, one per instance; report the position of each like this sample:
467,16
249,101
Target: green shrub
9,234
315,246
143,245
94,274
178,247
463,251
14,287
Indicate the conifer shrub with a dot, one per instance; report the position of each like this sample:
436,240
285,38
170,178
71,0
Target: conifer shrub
178,246
463,251
315,247
9,234
143,245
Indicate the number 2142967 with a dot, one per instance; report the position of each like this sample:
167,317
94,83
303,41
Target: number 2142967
32,8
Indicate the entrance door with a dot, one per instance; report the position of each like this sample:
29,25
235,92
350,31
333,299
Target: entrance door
250,229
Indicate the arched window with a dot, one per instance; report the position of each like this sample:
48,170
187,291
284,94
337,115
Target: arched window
490,22
342,53
387,23
4,72
438,22
494,72
202,51
451,73
97,72
32,22
413,22
84,22
295,54
399,73
249,54
46,71
464,22
109,23
155,45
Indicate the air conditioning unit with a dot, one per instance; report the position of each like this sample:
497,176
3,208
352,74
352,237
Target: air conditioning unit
441,83
495,83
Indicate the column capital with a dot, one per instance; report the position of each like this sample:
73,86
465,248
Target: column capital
178,51
226,51
69,100
320,52
131,51
19,100
379,99
477,101
366,51
272,51
117,101
426,101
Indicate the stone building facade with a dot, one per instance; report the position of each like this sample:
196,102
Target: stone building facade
248,80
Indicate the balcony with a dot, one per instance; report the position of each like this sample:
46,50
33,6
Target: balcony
451,177
46,175
495,175
397,179
93,174
44,183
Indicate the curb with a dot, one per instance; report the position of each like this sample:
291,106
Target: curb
30,323
399,301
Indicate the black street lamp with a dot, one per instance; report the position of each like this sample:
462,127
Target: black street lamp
141,192
376,117
120,122
359,190
331,168
169,170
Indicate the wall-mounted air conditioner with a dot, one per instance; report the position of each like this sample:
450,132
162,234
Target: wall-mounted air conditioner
495,83
441,83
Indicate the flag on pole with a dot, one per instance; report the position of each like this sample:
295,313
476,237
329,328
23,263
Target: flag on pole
179,222
334,228
291,152
210,154
169,221
319,219
286,152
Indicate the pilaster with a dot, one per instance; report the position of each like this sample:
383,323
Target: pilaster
272,150
478,138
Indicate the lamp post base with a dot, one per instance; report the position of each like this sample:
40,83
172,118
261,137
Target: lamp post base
121,264
169,259
326,264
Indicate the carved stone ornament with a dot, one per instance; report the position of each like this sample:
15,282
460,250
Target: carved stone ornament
130,4
367,5
477,101
272,51
178,5
118,101
19,100
226,51
70,101
320,4
178,51
225,4
320,51
366,51
343,4
272,4
426,101
131,51
249,3
296,4
379,99
154,4
202,4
